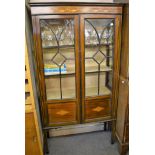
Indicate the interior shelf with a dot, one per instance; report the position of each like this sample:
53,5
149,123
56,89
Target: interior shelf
72,46
93,67
55,93
61,46
70,70
92,91
70,92
58,74
94,45
89,68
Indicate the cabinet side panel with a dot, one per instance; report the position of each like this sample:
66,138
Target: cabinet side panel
125,43
121,109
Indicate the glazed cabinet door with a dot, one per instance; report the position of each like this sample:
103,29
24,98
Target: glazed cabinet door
100,65
58,54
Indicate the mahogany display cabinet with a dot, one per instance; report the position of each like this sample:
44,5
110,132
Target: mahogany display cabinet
77,56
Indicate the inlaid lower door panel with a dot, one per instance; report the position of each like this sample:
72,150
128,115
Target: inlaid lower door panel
99,65
62,113
97,108
59,65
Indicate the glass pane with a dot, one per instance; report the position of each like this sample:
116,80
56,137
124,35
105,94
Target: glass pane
104,90
57,37
90,65
68,52
99,40
70,66
93,88
56,32
53,88
91,84
68,87
90,51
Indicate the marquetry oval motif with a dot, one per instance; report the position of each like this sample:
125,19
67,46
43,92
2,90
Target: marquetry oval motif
62,112
69,9
98,109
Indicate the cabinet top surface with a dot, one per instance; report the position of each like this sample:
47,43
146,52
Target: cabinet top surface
81,1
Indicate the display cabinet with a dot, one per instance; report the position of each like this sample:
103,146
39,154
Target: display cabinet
77,58
78,66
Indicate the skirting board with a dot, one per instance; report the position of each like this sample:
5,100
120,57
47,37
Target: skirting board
76,129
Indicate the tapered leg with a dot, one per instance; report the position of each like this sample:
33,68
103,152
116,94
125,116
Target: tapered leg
48,134
105,126
113,138
46,150
109,126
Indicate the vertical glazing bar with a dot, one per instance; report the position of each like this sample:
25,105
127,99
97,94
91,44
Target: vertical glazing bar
98,79
60,82
107,64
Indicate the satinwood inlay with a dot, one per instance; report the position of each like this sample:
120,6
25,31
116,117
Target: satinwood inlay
98,109
62,112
